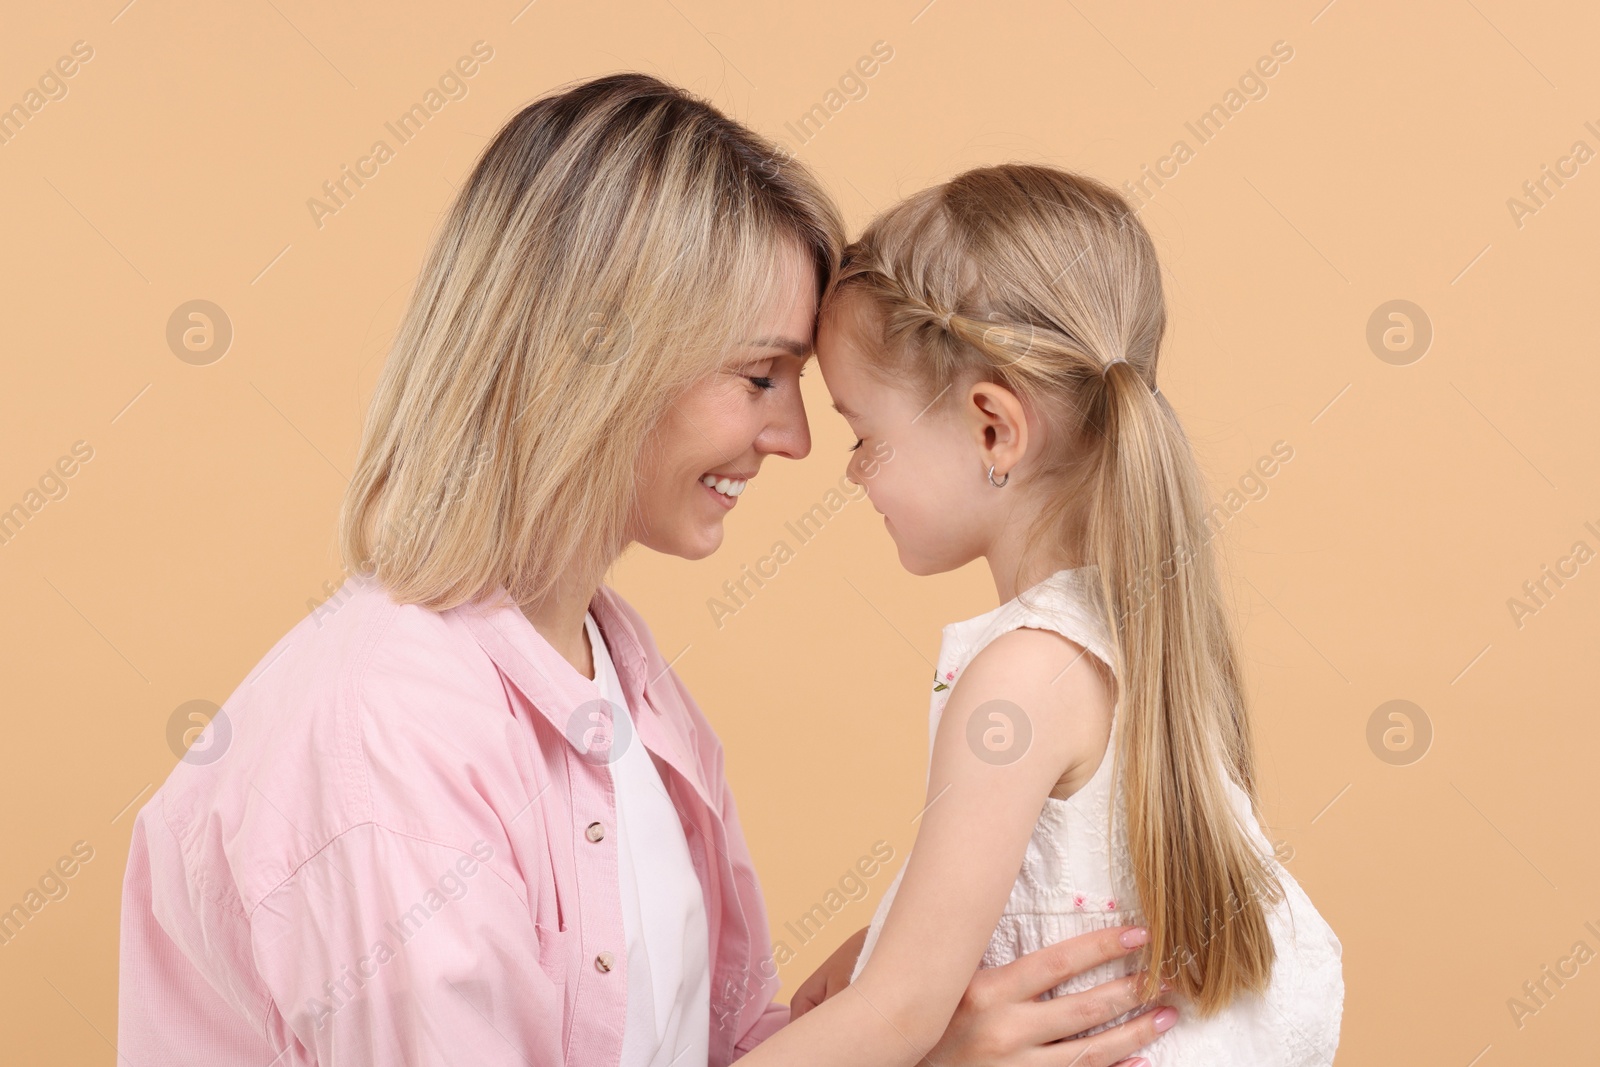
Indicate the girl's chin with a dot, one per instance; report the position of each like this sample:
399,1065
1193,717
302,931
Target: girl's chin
921,566
909,563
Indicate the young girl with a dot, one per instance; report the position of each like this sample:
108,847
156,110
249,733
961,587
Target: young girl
1090,756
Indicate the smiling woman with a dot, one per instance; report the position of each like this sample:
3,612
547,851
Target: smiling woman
616,307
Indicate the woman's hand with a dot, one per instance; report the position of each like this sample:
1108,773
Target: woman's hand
999,1023
832,976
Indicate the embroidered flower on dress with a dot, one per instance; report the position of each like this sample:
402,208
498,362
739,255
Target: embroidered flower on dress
938,686
1111,905
1079,900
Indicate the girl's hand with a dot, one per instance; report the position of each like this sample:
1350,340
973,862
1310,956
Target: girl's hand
999,1023
832,976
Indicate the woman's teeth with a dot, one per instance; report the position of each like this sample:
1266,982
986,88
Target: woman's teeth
725,486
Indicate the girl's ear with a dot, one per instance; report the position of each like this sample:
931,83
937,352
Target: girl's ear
998,424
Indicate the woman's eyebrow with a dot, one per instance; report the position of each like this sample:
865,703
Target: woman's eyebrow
786,344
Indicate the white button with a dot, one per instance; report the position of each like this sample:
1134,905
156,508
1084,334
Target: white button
595,831
603,961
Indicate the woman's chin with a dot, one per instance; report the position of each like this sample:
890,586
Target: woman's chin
693,543
702,543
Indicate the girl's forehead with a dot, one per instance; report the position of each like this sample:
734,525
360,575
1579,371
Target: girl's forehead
847,320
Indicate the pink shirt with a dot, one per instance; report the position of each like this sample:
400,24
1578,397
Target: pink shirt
402,855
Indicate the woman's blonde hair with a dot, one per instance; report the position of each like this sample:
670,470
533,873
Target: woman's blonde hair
1047,283
612,244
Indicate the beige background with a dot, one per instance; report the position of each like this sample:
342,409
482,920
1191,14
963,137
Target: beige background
1377,566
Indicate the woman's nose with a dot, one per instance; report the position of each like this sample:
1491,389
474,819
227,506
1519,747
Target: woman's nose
787,434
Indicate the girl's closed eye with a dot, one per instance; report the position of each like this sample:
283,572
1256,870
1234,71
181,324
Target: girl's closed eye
762,381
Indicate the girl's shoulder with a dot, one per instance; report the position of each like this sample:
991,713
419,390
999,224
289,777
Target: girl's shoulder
1033,689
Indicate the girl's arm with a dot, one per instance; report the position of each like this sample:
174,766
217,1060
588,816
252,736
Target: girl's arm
983,801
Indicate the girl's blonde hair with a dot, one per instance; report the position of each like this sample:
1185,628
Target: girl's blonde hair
611,246
1047,283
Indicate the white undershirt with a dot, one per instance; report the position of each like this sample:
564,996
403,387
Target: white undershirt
669,970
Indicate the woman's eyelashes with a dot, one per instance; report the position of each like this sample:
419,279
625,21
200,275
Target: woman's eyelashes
759,373
855,446
763,382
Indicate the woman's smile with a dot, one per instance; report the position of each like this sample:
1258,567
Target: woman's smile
725,488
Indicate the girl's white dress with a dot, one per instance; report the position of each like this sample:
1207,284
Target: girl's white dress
1074,879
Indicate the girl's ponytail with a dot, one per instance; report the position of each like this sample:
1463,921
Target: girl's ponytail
1182,730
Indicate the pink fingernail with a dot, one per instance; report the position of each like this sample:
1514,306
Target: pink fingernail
1165,1018
1135,937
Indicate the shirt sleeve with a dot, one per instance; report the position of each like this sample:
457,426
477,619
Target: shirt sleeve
387,948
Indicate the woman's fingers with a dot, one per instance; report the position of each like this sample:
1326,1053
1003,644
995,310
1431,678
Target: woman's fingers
1027,976
811,993
1073,1013
815,991
999,1019
1113,1046
830,978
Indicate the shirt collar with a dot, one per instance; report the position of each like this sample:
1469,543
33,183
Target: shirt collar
555,688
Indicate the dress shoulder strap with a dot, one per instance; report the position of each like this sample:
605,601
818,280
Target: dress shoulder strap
1067,602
